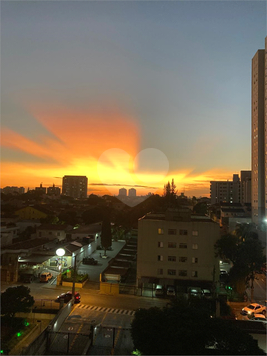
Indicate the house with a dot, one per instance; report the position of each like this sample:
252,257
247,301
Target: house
35,212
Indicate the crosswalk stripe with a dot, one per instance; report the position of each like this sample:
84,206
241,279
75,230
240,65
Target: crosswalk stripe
107,310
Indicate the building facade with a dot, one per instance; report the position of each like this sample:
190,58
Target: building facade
132,192
236,191
75,186
53,191
259,135
122,192
177,249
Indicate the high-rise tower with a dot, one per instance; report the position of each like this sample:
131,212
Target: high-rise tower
75,186
259,136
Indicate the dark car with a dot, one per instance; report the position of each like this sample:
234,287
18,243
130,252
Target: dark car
66,297
89,261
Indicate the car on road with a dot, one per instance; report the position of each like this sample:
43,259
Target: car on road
89,261
259,317
254,308
45,276
66,297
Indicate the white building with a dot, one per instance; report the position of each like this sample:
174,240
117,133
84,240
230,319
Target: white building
177,249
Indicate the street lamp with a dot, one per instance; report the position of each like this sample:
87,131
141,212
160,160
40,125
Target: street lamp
60,252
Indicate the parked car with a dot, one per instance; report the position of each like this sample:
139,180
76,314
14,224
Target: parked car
254,308
66,297
259,317
194,291
159,291
89,261
171,291
45,276
206,293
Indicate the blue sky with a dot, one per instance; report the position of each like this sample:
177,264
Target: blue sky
179,72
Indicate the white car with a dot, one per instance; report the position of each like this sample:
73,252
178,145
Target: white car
259,317
254,308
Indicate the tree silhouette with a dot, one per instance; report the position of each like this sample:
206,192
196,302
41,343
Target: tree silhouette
15,300
106,236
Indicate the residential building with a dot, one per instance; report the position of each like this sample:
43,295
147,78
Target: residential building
41,189
13,190
51,230
53,191
122,192
259,135
235,191
75,186
177,248
132,192
35,212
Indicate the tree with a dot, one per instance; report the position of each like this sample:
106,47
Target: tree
200,208
106,236
15,300
245,251
184,328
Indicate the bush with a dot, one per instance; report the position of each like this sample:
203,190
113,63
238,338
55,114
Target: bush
80,278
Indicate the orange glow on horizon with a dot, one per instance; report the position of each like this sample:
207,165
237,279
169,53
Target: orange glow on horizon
101,144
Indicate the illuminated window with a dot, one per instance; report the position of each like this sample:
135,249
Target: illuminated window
160,258
194,274
160,244
172,258
195,246
195,233
182,259
160,231
183,273
194,260
172,244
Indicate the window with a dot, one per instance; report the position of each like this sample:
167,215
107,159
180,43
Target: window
183,273
182,245
195,246
172,258
182,259
160,231
172,244
194,273
183,232
160,271
172,231
172,272
160,244
194,260
195,233
160,258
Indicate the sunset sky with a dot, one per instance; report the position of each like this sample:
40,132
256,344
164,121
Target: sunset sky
127,92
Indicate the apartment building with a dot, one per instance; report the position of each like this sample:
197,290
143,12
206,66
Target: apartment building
236,191
75,186
177,248
259,135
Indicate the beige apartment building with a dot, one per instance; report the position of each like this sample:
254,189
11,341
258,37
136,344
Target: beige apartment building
259,136
177,248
